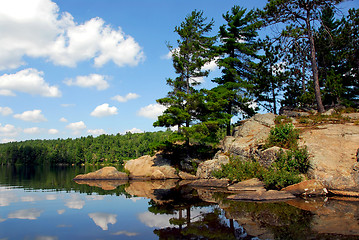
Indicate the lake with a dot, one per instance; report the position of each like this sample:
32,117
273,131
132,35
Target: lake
44,203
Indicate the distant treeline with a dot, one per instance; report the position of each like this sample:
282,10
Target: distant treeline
102,149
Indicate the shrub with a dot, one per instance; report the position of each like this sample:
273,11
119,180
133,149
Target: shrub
238,169
275,177
283,135
293,160
279,178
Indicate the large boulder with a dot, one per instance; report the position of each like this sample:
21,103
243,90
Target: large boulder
148,167
333,149
106,173
205,169
248,136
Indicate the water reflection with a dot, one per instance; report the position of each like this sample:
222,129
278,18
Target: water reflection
159,210
103,219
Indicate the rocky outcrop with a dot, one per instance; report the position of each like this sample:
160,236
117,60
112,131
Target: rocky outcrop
249,136
205,169
248,185
333,149
155,168
106,173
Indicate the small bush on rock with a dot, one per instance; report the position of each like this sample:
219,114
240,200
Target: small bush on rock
275,177
238,169
296,160
283,135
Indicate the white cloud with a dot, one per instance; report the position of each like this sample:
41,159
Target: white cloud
29,80
63,119
170,53
68,105
38,29
211,66
9,131
103,219
31,116
30,214
53,131
129,96
152,111
96,131
5,111
7,140
104,110
76,127
33,130
134,130
92,80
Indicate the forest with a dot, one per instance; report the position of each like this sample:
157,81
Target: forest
291,54
104,149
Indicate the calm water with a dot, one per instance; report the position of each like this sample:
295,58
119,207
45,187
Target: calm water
44,203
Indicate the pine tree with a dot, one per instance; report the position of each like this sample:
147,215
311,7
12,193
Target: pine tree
299,18
189,57
270,77
237,51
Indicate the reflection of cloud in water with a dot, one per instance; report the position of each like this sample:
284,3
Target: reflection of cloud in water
29,199
75,202
2,220
60,211
95,197
30,214
128,234
157,221
63,226
163,220
103,219
46,238
7,197
51,197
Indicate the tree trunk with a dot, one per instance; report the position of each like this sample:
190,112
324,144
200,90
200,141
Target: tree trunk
313,60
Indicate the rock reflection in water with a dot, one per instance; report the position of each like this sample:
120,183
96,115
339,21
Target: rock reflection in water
183,206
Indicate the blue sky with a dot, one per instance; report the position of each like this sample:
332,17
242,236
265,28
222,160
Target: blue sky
71,68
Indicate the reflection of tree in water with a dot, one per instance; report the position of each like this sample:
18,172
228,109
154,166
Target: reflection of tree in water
279,219
201,225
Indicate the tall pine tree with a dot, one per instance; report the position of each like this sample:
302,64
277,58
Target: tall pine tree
193,51
237,50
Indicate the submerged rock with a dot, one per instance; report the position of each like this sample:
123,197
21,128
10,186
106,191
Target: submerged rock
262,195
309,188
106,173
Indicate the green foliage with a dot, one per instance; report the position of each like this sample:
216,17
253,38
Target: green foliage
296,160
104,149
277,176
237,52
283,135
239,170
277,179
